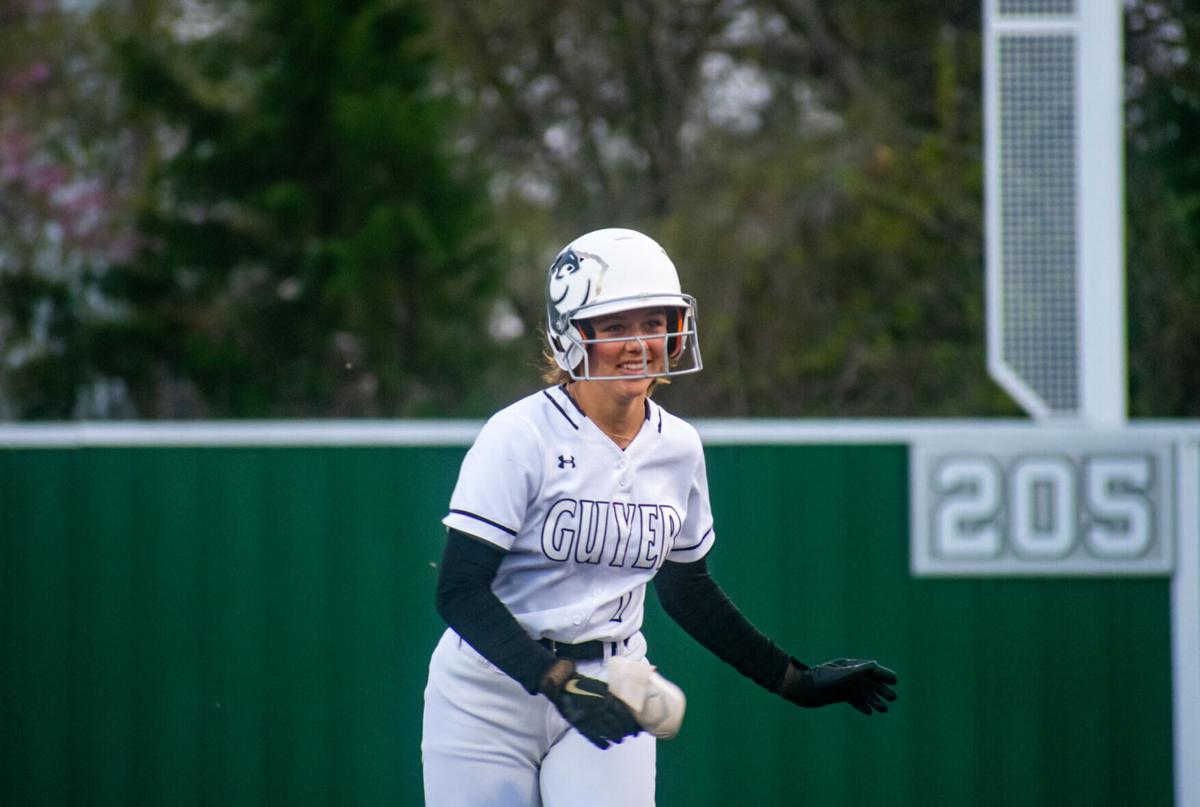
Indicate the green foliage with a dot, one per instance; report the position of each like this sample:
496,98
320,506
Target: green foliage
314,247
813,169
1163,186
66,172
843,280
288,214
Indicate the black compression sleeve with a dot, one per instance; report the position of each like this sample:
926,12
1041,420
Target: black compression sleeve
466,601
693,599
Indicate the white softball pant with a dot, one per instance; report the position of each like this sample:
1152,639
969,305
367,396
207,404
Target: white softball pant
486,742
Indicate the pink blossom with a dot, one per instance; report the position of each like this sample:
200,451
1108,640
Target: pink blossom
15,148
17,8
81,197
46,178
124,245
30,78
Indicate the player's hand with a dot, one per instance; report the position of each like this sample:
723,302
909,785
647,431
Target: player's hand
864,684
588,705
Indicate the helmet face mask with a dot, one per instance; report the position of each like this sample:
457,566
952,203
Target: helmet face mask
610,271
678,340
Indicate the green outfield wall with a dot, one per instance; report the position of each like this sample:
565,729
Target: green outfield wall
249,625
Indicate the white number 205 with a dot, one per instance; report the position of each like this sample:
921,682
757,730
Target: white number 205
1041,506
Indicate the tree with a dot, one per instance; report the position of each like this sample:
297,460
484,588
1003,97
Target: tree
1163,202
814,169
313,246
321,231
67,174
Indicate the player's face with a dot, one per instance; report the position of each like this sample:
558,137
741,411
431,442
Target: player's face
640,346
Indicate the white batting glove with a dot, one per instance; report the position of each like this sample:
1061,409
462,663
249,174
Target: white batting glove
657,704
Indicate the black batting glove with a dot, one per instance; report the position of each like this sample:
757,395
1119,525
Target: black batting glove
864,684
588,705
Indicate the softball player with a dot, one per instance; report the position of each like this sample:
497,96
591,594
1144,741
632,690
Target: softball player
567,505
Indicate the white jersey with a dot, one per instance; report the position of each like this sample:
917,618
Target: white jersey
585,524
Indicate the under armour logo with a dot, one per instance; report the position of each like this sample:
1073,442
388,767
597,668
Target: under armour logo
563,462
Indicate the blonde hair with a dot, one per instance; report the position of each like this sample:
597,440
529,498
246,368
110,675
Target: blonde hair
552,374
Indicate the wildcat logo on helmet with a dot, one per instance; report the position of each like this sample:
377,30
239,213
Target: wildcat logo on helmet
607,272
572,279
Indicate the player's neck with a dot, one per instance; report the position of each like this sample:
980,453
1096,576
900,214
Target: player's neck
619,416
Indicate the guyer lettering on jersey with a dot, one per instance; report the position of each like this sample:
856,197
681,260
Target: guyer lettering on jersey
616,533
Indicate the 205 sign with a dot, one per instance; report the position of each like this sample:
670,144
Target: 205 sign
1036,503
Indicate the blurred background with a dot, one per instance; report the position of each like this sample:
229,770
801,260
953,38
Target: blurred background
344,209
336,215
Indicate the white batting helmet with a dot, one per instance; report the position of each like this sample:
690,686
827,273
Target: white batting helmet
612,270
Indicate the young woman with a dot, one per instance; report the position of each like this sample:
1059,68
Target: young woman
567,505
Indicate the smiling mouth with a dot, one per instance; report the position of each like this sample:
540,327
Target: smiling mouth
633,367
